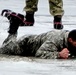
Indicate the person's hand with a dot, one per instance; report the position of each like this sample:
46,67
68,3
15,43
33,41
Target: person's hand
64,53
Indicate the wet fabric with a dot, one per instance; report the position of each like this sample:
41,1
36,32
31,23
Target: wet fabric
46,45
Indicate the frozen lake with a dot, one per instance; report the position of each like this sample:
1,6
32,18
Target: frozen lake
16,65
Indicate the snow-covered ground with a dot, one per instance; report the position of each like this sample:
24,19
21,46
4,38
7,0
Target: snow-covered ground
15,65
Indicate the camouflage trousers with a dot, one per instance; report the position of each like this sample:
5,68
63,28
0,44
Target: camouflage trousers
55,6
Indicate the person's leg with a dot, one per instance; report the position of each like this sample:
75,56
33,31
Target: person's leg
23,47
56,9
30,9
14,22
13,27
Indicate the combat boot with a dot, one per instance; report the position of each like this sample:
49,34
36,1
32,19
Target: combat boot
57,22
27,20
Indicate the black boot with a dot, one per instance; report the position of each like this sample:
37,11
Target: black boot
27,20
57,22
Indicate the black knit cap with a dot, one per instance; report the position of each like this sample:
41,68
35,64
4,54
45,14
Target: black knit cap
72,34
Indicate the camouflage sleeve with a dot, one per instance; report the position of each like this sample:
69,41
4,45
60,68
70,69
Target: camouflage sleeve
48,50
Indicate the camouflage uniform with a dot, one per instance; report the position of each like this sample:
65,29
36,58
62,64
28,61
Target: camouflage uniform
46,45
55,6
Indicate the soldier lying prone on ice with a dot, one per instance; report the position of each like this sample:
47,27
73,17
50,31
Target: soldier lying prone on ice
50,45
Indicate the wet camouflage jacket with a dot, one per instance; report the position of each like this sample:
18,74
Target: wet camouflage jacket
46,45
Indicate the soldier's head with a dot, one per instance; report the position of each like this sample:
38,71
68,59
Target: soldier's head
72,42
72,37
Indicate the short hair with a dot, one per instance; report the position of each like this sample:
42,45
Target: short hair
72,34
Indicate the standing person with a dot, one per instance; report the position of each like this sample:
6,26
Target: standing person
56,10
51,45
